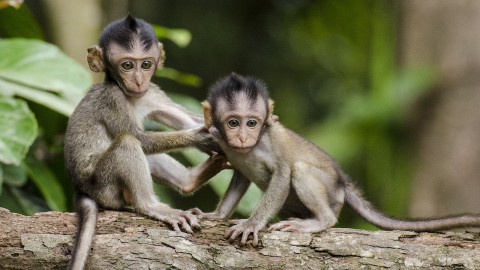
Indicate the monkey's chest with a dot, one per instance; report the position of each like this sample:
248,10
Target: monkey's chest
254,168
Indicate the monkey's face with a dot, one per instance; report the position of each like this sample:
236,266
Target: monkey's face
133,69
241,122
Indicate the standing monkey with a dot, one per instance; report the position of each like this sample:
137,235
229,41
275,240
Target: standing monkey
300,181
109,156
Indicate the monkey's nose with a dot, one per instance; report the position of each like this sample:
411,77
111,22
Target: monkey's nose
138,80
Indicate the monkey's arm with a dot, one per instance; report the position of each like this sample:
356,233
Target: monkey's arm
237,188
165,169
174,115
159,142
271,202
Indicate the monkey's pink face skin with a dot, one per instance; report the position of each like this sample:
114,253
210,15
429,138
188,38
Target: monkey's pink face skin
135,68
243,123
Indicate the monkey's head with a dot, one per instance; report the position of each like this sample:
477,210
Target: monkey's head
240,108
129,54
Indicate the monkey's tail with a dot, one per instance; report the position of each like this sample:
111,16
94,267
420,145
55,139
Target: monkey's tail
87,210
364,208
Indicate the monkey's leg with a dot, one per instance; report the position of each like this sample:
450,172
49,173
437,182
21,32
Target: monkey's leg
309,183
123,172
235,191
166,169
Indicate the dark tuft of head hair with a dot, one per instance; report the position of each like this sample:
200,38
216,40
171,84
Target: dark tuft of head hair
229,87
124,32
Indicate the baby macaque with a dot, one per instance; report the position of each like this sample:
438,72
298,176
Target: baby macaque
301,183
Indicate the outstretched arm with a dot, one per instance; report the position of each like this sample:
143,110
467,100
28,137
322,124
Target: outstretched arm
174,115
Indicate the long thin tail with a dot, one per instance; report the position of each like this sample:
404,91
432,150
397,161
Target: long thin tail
355,200
87,211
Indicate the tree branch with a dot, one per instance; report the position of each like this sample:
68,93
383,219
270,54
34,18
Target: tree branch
129,241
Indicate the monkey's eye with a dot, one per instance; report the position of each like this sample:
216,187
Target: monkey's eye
146,64
251,123
127,65
233,123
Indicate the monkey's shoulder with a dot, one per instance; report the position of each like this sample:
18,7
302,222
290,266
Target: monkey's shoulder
287,141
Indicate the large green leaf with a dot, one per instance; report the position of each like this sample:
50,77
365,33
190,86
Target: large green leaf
47,183
47,99
40,65
18,129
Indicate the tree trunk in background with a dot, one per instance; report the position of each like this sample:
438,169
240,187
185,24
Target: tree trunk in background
445,34
75,25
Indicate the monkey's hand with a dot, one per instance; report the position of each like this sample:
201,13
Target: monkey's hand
205,141
209,216
245,227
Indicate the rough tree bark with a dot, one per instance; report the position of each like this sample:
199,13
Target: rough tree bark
129,241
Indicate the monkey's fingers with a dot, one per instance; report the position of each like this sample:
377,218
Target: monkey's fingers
255,238
245,235
174,225
232,233
227,166
192,220
186,227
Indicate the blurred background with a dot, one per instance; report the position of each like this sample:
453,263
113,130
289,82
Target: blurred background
389,88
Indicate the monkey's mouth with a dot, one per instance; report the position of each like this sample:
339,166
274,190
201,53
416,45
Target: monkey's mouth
136,94
241,149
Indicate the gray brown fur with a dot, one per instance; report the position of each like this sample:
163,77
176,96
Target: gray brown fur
301,182
110,158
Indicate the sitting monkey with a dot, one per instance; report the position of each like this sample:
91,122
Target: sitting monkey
110,158
300,181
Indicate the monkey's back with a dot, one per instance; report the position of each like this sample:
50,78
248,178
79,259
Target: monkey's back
300,149
86,137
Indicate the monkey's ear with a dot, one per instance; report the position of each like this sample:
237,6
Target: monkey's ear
161,59
207,114
95,59
270,117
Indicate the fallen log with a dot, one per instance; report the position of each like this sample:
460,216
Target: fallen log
130,241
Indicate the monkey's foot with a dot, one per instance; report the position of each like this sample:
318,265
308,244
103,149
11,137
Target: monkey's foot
179,220
244,227
299,225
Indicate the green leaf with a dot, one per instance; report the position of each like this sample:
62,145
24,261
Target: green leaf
18,201
47,183
180,77
14,175
19,23
18,130
181,37
13,200
42,66
46,99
